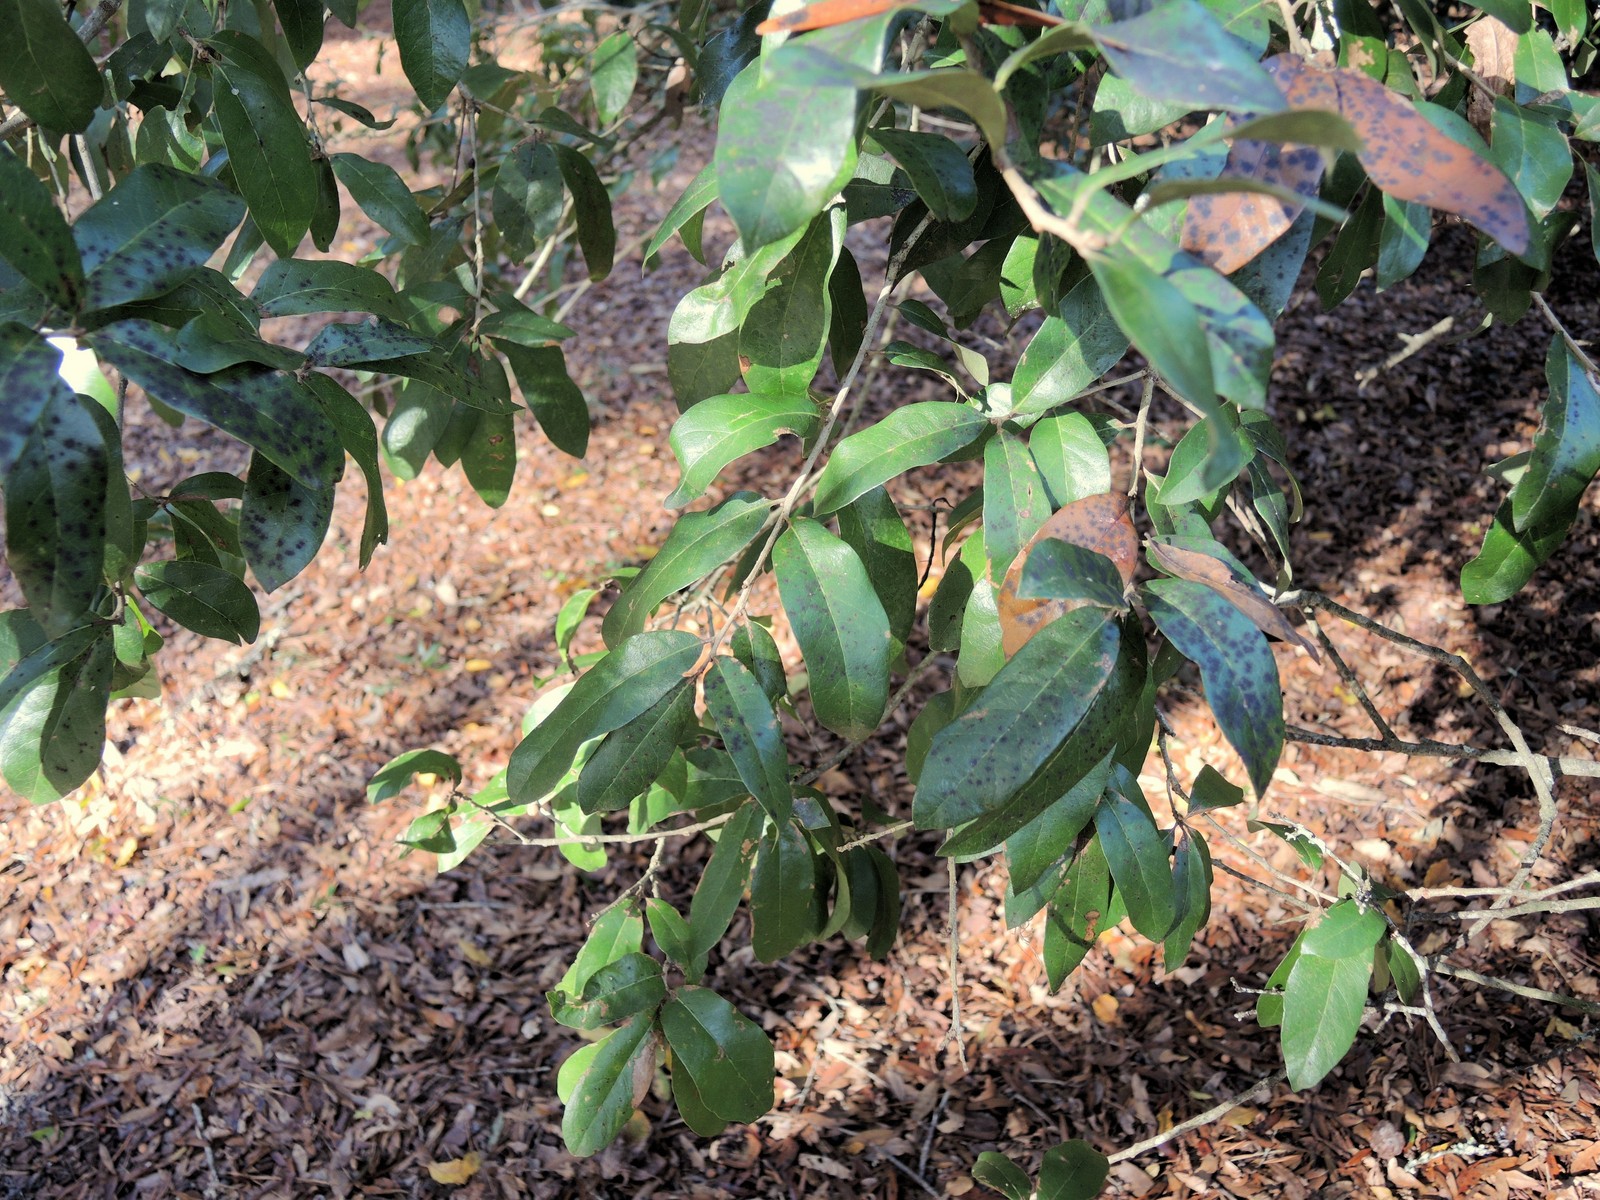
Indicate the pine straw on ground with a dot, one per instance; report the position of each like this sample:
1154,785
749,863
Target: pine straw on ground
222,978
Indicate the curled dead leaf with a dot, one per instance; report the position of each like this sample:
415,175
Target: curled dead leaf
1494,49
456,1171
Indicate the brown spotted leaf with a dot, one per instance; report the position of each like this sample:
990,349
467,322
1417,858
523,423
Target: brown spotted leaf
1405,156
1216,574
1099,523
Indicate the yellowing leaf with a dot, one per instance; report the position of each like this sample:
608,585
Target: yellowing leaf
457,1170
125,852
1105,1007
474,665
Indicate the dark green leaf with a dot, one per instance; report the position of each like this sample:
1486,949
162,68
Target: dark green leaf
290,287
31,384
1137,854
981,759
1347,930
1191,875
152,231
267,410
281,523
871,526
46,70
630,758
728,1056
911,436
698,544
1206,459
302,22
34,237
207,599
417,421
1534,154
523,327
1015,500
676,939
1004,1176
528,197
52,713
1241,677
435,37
490,457
265,138
1179,52
754,647
395,775
1058,570
622,685
720,429
591,208
1161,323
617,1078
939,170
1072,458
383,196
617,932
631,984
783,893
727,873
1068,352
840,624
1403,242
1040,844
553,398
748,727
1072,1170
1212,791
685,215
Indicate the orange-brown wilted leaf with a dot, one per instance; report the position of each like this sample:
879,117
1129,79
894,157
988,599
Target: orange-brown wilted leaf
1215,574
457,1170
1099,523
1494,48
1404,155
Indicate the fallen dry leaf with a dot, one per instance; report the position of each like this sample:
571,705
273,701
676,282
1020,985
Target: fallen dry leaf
456,1171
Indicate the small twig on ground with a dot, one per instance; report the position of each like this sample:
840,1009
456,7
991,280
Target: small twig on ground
205,1146
1215,1113
1516,989
906,1170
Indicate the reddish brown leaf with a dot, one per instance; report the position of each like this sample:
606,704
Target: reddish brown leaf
1099,523
1404,155
1216,575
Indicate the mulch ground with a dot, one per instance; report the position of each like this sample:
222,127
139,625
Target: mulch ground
220,977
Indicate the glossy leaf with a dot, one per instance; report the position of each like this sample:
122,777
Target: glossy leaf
1068,352
1187,562
728,1056
1057,570
55,511
1191,877
625,683
490,457
267,410
281,523
685,216
52,712
938,168
1015,500
266,140
382,195
698,544
725,877
528,197
1532,522
396,774
1241,677
631,757
1533,153
1323,999
871,525
150,232
1072,1170
1179,52
616,1081
783,337
840,624
986,754
34,237
913,435
721,429
551,395
1137,854
205,598
591,209
46,70
1033,850
745,721
783,900
1072,458
291,287
632,984
998,1172
434,37
612,75
1161,322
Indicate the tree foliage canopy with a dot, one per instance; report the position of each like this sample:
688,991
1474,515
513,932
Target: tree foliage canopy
1147,176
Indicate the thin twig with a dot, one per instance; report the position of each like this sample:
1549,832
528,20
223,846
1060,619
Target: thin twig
1139,424
1215,1113
954,1033
1441,893
1427,748
1516,989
